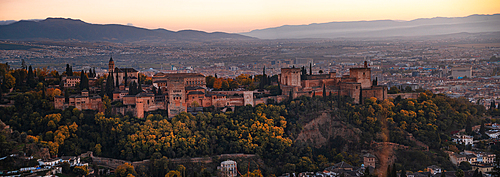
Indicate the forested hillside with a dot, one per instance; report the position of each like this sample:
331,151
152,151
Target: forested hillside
266,130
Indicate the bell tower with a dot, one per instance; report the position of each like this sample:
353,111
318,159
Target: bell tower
111,65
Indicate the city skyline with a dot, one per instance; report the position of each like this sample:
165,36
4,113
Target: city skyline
239,16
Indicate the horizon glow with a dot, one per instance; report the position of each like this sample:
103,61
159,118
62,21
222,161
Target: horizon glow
239,16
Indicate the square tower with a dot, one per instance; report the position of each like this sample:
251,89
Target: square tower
290,77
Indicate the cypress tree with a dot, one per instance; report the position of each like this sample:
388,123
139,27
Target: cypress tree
468,127
310,69
103,90
360,96
82,85
84,82
159,91
139,85
492,105
394,171
367,172
117,81
66,96
132,88
482,129
126,77
388,172
403,173
339,99
279,88
109,85
31,78
1,94
43,91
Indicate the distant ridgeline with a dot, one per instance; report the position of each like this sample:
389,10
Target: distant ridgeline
73,29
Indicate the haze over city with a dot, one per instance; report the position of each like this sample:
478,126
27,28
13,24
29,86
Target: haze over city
239,16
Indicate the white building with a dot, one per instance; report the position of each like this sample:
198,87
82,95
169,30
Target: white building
228,168
463,139
50,162
493,133
461,72
72,160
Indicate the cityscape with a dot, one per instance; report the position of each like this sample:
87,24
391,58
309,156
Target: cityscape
416,96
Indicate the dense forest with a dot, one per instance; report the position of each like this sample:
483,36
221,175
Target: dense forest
270,131
266,130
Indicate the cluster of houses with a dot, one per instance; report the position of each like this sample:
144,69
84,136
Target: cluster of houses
482,161
49,166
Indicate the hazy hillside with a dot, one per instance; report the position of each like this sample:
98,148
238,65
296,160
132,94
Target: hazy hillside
383,28
65,29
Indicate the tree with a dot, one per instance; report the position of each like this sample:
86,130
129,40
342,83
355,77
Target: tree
139,84
476,173
117,80
66,167
465,166
66,96
496,165
310,69
459,173
394,171
217,83
125,169
182,169
367,172
23,64
403,172
224,85
81,170
388,171
109,85
468,126
393,90
482,129
8,81
107,104
97,149
84,81
126,77
69,71
173,173
31,78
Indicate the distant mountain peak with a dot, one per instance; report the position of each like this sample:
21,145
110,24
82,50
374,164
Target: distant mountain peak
56,28
383,28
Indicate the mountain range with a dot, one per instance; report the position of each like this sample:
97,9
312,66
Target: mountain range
73,29
383,28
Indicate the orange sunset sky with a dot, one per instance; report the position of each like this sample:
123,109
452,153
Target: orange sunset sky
238,15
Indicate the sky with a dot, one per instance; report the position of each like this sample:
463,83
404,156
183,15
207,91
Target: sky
238,15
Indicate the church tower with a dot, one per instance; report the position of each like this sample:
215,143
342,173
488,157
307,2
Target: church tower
111,65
